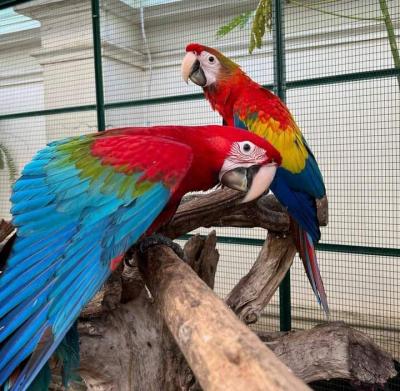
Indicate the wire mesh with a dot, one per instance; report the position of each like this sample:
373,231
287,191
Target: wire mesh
350,121
353,129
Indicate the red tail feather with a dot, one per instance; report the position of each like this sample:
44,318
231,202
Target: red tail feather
306,249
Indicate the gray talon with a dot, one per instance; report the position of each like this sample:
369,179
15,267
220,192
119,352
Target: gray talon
157,239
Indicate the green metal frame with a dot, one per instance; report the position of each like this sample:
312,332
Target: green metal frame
327,247
349,77
98,67
280,86
278,33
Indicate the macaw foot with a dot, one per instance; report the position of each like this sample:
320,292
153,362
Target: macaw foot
157,239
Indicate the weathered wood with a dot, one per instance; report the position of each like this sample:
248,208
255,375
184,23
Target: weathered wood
332,351
222,208
202,256
132,345
6,228
123,350
118,342
254,291
105,300
222,352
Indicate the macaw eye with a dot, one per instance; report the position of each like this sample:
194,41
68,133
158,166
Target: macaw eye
246,147
211,59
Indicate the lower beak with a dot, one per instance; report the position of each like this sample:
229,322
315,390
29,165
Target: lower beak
254,180
192,70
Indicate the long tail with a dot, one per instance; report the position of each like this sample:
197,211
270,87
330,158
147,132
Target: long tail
306,249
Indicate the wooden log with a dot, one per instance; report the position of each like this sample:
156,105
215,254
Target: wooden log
222,352
332,351
202,256
123,350
328,351
132,344
254,291
222,208
6,228
106,299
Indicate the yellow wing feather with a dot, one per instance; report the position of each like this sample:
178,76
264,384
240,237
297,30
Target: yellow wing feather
288,141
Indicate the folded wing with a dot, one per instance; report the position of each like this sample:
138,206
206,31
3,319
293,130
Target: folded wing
79,204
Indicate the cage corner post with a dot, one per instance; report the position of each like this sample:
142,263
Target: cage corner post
285,316
97,56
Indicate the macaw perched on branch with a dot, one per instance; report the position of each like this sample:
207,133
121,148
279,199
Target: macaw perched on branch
245,104
83,201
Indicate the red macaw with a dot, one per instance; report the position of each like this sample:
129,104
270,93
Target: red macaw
245,104
83,201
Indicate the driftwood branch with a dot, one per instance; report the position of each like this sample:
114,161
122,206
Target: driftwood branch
254,291
332,351
149,359
6,228
222,352
222,208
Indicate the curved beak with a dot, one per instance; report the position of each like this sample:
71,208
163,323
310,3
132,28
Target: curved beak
254,180
191,69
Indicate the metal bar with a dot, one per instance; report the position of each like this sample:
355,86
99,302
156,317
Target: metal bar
348,77
270,315
154,101
11,3
368,75
38,113
101,121
364,250
328,247
280,89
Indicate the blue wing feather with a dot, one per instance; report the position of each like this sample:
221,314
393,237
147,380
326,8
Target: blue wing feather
69,228
309,180
300,205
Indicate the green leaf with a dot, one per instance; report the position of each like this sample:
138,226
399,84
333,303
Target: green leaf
6,160
1,160
262,20
238,21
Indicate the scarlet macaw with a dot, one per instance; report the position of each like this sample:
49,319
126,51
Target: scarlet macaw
83,201
245,104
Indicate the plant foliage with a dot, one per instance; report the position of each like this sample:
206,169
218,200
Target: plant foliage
261,20
7,161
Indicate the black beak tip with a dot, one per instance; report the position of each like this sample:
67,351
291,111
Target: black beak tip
197,75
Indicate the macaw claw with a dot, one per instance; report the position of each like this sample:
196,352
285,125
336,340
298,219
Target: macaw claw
157,239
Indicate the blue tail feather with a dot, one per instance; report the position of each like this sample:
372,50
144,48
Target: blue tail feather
300,205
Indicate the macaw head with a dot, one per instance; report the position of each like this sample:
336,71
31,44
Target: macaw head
243,160
206,66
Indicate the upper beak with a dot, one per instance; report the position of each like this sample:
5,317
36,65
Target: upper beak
191,69
255,180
